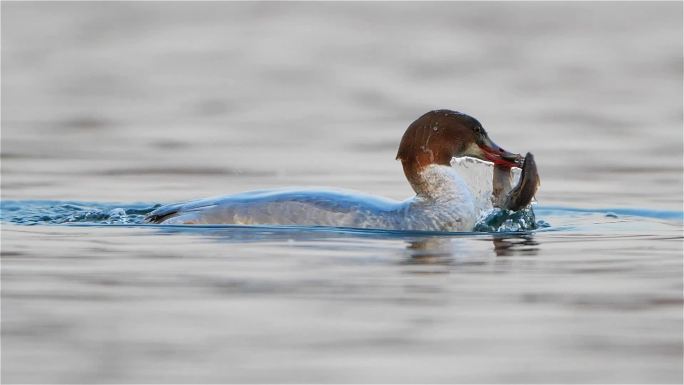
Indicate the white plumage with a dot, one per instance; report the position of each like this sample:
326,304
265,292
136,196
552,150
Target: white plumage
446,205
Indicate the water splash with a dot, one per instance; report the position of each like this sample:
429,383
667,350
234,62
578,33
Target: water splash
478,176
61,212
497,221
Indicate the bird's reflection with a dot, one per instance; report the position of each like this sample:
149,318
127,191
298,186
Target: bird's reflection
431,251
423,250
517,245
455,251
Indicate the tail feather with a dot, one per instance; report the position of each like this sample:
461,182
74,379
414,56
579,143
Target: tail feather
163,213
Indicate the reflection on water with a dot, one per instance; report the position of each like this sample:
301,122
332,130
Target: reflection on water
139,304
449,251
431,251
522,245
106,302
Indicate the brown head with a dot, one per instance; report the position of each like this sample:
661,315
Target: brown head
440,135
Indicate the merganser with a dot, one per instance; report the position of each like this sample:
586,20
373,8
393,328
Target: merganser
442,202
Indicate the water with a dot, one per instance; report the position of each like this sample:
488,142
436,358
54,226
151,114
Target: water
141,104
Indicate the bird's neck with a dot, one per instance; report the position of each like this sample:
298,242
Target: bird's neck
436,182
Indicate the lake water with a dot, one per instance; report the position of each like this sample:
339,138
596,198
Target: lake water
128,105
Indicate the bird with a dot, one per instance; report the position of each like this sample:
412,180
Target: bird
442,200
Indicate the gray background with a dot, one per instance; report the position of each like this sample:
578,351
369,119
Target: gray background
166,101
157,102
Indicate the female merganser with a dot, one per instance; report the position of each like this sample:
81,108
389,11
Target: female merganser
442,202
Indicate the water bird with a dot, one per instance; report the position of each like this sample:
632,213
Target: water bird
442,201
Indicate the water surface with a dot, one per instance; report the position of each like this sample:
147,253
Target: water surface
110,109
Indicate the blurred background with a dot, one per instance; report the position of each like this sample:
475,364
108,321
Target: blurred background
164,101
